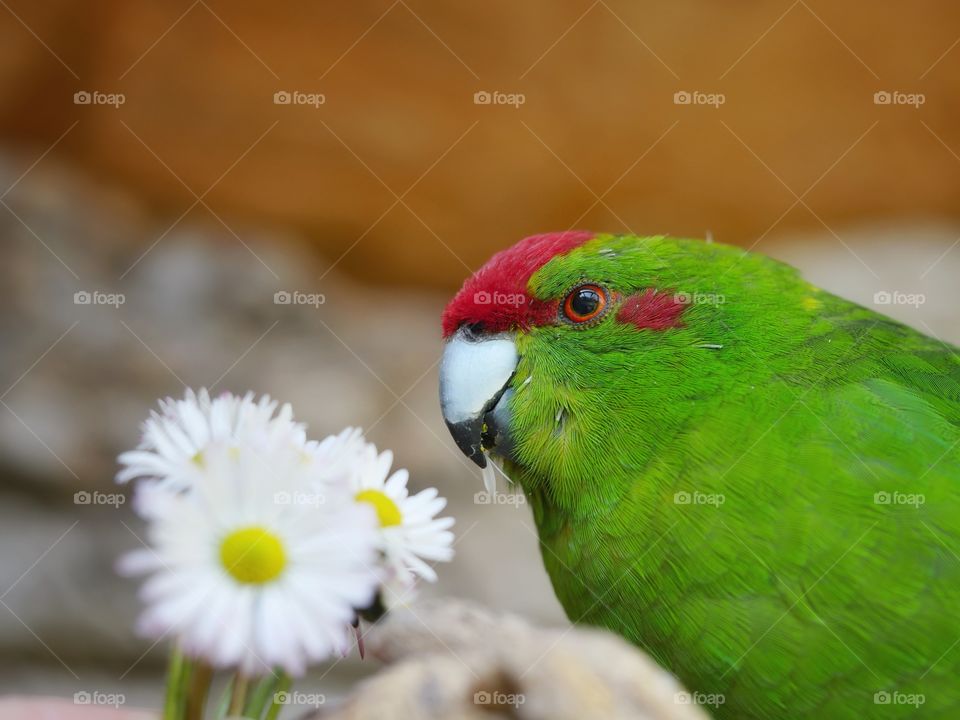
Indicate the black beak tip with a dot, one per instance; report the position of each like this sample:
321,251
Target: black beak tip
467,436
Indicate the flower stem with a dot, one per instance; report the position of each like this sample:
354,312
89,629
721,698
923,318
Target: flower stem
262,693
197,694
283,685
178,671
224,701
239,697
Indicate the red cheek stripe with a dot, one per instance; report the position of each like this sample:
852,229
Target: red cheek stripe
652,310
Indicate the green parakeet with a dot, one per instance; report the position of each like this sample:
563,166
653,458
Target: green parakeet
755,481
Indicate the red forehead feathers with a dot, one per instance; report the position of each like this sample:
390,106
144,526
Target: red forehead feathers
496,296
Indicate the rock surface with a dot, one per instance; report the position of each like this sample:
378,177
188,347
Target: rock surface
452,660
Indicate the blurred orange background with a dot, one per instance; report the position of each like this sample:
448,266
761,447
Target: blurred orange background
400,178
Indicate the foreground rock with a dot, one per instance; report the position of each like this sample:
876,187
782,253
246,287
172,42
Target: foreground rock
453,660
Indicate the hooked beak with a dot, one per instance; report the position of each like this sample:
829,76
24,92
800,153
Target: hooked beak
474,375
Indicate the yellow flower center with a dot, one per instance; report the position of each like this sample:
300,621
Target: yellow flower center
253,555
387,511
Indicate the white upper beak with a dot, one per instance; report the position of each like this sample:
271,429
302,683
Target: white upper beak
474,373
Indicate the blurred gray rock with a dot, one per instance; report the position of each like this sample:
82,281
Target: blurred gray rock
882,267
451,660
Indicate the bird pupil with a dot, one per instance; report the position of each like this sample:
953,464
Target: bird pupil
585,302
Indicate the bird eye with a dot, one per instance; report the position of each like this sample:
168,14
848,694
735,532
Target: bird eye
584,303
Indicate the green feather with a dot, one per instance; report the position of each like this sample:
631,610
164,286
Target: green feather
786,416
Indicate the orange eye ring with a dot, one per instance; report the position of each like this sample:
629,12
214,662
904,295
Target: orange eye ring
585,303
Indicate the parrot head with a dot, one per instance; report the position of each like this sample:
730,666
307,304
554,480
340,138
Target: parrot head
573,354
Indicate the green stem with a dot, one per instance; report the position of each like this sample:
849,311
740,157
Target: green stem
239,694
178,670
197,694
283,685
262,693
224,702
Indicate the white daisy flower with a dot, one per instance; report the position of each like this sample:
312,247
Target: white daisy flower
410,531
248,570
338,457
175,439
